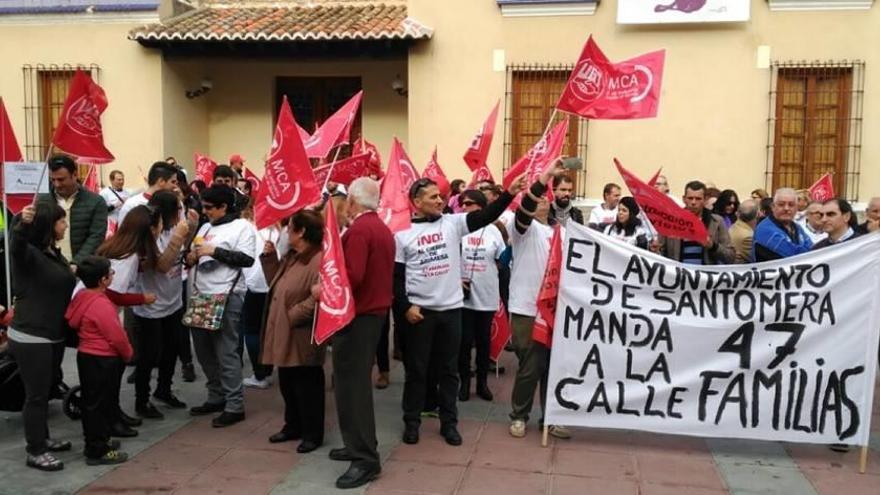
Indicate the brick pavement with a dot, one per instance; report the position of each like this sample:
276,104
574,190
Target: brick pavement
183,455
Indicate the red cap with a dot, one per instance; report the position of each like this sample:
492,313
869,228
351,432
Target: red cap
236,158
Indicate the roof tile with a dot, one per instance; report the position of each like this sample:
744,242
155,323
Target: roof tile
370,21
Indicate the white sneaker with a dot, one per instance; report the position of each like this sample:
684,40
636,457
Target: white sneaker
559,432
518,428
252,382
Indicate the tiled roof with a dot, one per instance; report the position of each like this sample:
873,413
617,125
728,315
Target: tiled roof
333,21
75,6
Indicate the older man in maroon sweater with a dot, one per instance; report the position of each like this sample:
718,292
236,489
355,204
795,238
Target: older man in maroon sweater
369,259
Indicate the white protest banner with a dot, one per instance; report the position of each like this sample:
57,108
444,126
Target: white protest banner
23,177
681,11
783,350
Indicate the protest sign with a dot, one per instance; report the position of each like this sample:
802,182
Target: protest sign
23,177
784,350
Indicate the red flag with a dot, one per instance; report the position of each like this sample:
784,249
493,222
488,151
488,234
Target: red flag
344,171
334,131
79,127
435,173
478,151
600,89
254,180
499,334
9,150
91,182
394,198
364,146
482,174
303,134
336,305
653,181
204,168
541,156
288,181
823,189
667,218
543,330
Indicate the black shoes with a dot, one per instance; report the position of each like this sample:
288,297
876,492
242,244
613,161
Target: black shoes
207,408
283,436
110,458
148,411
128,420
58,445
342,454
170,400
307,446
450,434
227,419
411,434
189,372
358,475
464,390
484,393
121,430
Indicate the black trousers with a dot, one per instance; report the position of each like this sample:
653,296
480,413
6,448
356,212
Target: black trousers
352,370
158,340
382,360
184,337
249,332
476,329
36,366
436,339
98,377
302,388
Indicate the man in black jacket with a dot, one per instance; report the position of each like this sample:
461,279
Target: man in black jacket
86,211
561,209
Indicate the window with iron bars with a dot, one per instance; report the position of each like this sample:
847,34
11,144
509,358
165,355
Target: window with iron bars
531,95
815,125
45,89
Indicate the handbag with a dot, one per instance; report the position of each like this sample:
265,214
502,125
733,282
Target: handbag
205,311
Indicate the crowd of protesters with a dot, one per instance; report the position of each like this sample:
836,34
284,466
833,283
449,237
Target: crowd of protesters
440,282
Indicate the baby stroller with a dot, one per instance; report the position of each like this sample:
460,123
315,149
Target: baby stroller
12,389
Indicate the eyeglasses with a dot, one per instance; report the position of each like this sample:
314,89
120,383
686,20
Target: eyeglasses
487,188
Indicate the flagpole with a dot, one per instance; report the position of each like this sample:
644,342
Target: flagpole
5,218
45,171
332,165
546,130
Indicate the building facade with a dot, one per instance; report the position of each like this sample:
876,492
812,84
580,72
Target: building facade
775,96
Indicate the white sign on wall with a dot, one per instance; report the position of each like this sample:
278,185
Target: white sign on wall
23,177
784,350
681,11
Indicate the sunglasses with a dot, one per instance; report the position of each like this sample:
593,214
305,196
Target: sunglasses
418,186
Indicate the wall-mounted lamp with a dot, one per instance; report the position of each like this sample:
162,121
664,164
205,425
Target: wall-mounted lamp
205,86
398,86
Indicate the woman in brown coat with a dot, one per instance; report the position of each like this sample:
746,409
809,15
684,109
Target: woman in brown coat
287,338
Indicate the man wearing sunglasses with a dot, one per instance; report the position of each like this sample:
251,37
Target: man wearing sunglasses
428,290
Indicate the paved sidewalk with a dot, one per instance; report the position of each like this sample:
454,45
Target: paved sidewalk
184,455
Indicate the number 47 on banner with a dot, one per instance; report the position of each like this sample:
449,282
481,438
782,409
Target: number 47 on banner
740,342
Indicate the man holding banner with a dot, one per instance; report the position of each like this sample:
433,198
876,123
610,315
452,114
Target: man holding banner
716,249
530,236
